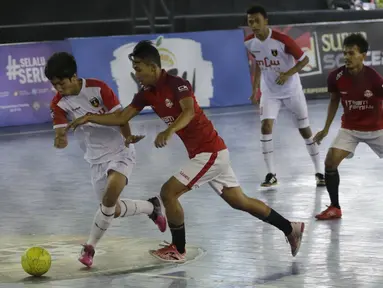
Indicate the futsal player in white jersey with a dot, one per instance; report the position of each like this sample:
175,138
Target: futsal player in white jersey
278,62
107,149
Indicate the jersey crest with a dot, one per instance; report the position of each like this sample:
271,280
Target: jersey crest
94,101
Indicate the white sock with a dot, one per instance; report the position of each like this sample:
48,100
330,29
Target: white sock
267,150
102,220
135,207
313,150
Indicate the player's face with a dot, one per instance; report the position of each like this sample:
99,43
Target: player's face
145,73
352,57
257,23
65,86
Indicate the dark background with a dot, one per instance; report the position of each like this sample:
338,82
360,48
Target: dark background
20,21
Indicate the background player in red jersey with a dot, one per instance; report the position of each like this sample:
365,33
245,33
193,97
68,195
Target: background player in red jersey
173,100
360,88
110,160
278,63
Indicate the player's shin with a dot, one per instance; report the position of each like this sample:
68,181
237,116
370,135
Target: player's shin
313,150
332,185
175,215
101,223
130,207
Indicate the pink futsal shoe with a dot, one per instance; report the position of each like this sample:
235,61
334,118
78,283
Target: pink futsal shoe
169,254
158,216
87,255
295,237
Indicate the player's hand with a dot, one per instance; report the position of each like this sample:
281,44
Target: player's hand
60,141
320,136
253,99
163,138
133,139
78,122
283,77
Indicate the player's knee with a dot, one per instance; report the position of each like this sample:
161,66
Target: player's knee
109,200
166,194
236,200
267,127
305,132
330,163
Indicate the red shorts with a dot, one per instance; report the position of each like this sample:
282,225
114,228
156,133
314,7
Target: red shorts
212,168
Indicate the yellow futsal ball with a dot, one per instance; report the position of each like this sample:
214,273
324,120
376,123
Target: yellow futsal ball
36,261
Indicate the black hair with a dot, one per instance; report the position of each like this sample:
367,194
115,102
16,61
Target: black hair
257,9
356,39
61,65
146,51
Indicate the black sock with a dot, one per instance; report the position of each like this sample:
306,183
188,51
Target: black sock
178,236
332,185
278,221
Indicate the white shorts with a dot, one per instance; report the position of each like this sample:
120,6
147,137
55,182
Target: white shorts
348,140
212,168
122,162
296,104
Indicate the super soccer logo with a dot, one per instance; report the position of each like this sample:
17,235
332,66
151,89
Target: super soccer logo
179,57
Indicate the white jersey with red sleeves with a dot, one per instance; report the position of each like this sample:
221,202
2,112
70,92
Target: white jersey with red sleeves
278,53
100,143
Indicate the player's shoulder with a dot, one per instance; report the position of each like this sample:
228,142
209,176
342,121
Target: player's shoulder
280,36
249,38
369,71
336,73
176,82
56,99
95,83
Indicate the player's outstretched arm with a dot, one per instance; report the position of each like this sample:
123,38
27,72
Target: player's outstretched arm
187,114
117,118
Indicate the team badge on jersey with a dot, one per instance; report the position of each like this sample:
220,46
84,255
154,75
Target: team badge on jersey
274,52
94,101
368,94
168,103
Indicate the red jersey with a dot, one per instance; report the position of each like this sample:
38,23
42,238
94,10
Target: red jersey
199,135
361,97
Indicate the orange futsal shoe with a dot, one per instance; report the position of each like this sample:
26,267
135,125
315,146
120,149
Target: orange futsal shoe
330,213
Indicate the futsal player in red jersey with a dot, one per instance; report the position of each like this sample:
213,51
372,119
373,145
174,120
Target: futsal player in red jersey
173,100
360,89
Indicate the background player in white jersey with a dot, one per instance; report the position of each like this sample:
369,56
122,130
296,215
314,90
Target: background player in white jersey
105,148
278,62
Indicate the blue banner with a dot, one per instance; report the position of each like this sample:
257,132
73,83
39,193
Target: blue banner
25,92
214,62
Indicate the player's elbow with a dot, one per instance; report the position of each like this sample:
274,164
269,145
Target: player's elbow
305,61
190,112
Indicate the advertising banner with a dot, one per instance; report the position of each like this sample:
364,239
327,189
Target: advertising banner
25,92
214,62
323,45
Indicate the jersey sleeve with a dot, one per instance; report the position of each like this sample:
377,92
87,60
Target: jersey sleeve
331,83
378,85
292,48
139,101
182,88
59,116
109,99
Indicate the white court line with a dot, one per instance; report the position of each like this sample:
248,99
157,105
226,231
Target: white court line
211,281
247,111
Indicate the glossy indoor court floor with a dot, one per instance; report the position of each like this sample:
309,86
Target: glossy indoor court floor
46,198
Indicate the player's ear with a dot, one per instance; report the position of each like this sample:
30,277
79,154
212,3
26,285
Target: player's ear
73,78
